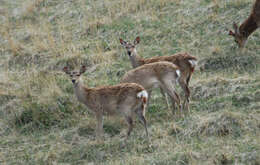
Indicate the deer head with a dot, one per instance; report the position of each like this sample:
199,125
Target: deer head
74,75
240,37
130,48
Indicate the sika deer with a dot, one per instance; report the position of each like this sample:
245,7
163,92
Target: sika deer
184,61
124,99
158,74
248,26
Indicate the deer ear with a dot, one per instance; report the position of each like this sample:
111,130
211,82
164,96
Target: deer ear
83,69
137,40
231,33
122,42
65,69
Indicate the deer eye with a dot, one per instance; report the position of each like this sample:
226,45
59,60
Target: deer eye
78,75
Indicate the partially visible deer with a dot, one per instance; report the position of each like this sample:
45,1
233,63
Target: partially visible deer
248,26
184,61
158,74
124,99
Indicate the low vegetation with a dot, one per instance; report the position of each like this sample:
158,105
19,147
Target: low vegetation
41,121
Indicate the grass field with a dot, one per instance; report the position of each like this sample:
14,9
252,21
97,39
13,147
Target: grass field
41,121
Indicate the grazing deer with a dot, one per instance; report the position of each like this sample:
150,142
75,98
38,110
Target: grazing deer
158,74
124,99
184,61
248,26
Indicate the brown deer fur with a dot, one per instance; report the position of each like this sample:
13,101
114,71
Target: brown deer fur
248,26
124,99
158,74
184,61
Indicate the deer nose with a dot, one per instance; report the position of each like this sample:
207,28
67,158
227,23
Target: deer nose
129,53
73,81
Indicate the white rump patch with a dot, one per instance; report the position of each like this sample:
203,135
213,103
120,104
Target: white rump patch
193,63
178,72
143,93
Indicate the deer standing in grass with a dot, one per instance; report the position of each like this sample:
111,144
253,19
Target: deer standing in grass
158,74
124,99
248,26
185,62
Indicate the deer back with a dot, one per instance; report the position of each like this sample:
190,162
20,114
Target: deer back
108,99
151,75
182,60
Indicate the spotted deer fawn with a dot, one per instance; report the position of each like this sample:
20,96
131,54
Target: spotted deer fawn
158,74
124,99
242,32
185,62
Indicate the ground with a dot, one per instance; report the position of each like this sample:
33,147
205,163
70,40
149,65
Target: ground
41,121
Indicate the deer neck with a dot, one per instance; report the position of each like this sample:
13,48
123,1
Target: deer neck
248,27
136,60
81,91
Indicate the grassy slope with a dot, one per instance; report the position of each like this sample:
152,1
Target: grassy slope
41,120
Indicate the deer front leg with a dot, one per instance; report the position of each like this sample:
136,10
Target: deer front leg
99,128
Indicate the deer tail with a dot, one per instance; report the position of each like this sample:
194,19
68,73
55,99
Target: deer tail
144,96
193,63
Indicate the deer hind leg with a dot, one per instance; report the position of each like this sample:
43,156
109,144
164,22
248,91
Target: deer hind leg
186,90
139,112
129,121
169,87
166,98
188,79
178,100
149,97
175,98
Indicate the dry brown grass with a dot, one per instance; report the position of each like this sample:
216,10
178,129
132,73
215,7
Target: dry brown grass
41,120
